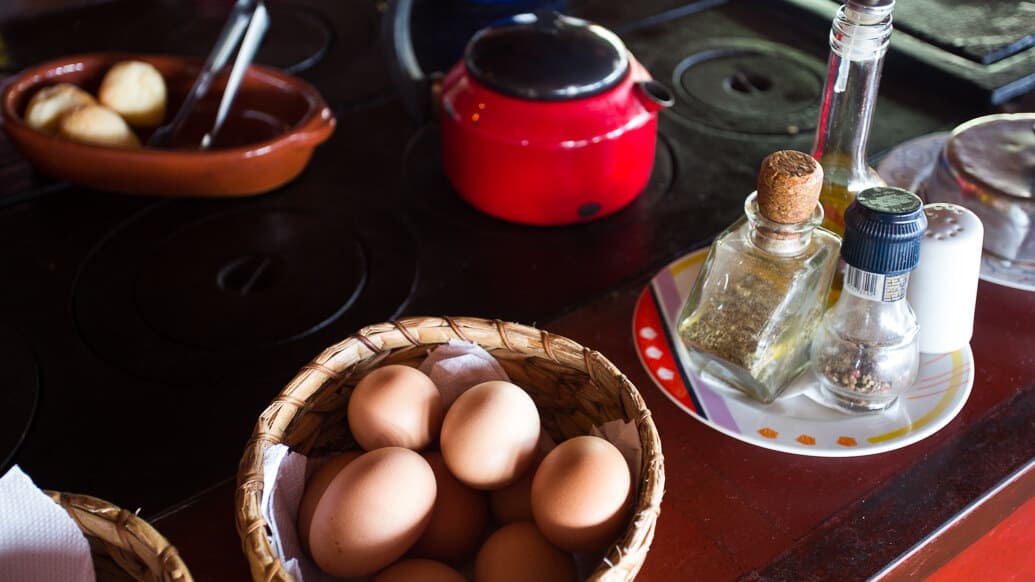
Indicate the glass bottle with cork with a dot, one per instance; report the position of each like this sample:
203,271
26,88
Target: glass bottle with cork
763,286
866,352
859,37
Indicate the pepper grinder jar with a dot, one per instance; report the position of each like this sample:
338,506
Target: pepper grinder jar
866,351
763,287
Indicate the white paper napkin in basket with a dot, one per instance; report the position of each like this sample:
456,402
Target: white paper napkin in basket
458,365
285,472
39,541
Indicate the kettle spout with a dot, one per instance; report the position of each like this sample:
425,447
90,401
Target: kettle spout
653,95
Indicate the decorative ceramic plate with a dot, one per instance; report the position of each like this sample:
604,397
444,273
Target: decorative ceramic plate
909,164
796,423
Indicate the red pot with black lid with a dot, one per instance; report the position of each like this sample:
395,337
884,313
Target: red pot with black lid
549,120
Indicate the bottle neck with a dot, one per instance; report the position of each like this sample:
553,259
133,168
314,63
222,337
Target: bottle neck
859,40
777,238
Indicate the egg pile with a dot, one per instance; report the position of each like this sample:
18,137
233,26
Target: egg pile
472,487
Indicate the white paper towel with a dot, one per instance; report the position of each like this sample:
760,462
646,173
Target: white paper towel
285,471
39,541
458,365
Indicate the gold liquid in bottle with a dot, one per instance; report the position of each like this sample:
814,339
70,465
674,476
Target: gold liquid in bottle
835,197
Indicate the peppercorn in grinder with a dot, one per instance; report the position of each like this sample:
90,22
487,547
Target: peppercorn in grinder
866,352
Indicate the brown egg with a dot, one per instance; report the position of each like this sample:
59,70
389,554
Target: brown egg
315,485
458,520
518,552
490,435
395,406
580,494
419,570
372,512
514,502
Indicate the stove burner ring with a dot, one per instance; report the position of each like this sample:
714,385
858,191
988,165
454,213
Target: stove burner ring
248,274
298,38
749,86
310,39
427,186
249,279
19,393
183,288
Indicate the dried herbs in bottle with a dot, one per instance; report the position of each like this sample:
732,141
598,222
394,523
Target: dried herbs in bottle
763,287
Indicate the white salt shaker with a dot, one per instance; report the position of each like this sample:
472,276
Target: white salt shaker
943,289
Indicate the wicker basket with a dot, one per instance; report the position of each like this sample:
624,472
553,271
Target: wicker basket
124,547
574,388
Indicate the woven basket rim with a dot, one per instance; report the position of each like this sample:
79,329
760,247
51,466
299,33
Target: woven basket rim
335,363
121,531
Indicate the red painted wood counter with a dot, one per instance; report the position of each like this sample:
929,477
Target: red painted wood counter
733,510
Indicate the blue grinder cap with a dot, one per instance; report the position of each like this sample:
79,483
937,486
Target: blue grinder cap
883,231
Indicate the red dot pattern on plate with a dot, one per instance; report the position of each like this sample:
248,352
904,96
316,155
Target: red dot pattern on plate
768,433
806,440
655,352
846,441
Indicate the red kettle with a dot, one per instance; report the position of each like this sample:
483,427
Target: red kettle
549,120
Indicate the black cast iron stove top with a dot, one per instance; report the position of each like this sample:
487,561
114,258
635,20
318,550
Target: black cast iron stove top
156,330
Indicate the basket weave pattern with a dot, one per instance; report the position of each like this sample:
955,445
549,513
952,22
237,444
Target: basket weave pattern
574,388
124,547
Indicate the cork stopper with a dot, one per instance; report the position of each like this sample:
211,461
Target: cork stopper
788,186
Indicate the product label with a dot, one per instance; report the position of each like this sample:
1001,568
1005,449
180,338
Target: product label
874,286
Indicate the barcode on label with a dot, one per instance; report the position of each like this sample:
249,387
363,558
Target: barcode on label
865,284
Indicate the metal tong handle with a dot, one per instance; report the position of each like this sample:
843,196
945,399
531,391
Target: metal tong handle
260,21
229,37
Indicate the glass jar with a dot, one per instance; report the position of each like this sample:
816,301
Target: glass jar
763,286
866,352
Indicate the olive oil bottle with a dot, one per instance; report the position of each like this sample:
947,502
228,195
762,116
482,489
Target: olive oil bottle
859,37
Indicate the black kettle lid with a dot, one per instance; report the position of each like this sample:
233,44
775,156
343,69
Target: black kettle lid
546,56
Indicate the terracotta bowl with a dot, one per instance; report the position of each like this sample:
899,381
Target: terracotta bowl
269,136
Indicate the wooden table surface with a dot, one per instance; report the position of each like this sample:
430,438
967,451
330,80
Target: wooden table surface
734,510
